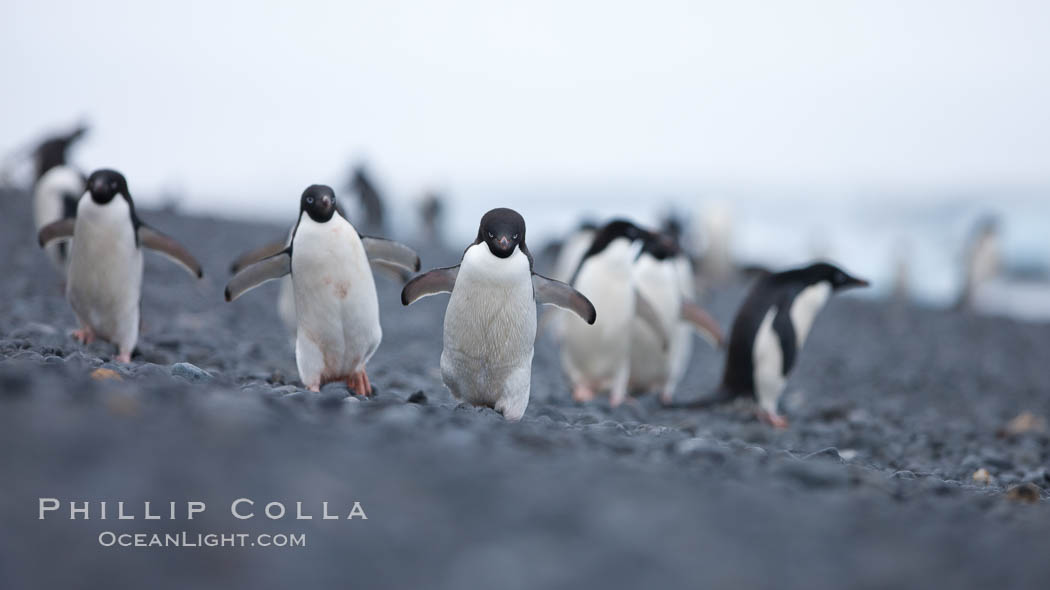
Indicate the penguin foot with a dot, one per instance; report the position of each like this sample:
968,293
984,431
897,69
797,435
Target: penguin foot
84,336
359,383
316,388
666,398
773,419
582,394
123,357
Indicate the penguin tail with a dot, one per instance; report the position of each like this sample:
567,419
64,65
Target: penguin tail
720,396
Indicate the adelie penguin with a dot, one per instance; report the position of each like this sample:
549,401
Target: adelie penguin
490,322
286,294
336,306
663,274
770,330
57,190
598,357
104,281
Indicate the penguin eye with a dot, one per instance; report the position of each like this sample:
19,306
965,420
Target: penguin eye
491,236
515,236
310,200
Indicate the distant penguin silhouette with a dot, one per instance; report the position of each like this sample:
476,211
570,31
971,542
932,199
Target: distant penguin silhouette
54,151
57,188
431,213
982,261
364,187
770,330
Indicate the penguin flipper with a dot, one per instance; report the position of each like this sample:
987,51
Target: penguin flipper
391,252
57,230
705,325
256,274
394,271
166,245
647,313
558,294
439,280
255,255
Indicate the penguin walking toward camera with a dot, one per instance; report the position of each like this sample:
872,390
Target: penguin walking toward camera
663,274
336,306
770,330
598,357
490,322
286,292
104,282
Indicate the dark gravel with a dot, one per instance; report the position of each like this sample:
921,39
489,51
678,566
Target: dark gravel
893,410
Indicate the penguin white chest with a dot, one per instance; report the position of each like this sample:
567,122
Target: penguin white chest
49,197
489,331
598,355
657,281
336,306
768,363
806,306
105,271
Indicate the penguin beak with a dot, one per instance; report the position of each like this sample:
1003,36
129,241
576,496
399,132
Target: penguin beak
854,282
504,243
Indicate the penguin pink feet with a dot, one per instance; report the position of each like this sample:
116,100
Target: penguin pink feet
582,394
359,383
771,418
84,336
123,357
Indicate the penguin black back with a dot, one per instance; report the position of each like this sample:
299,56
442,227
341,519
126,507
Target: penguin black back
610,232
54,151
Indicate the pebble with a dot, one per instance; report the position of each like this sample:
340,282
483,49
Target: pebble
1027,493
190,372
703,447
814,474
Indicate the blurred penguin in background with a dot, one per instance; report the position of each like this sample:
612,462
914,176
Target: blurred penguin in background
371,201
716,263
431,214
663,274
597,358
982,259
57,188
54,151
567,260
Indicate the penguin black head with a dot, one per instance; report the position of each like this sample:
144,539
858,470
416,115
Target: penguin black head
105,184
318,201
835,276
614,230
660,246
502,230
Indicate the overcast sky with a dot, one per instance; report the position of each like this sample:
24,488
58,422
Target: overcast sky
232,101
